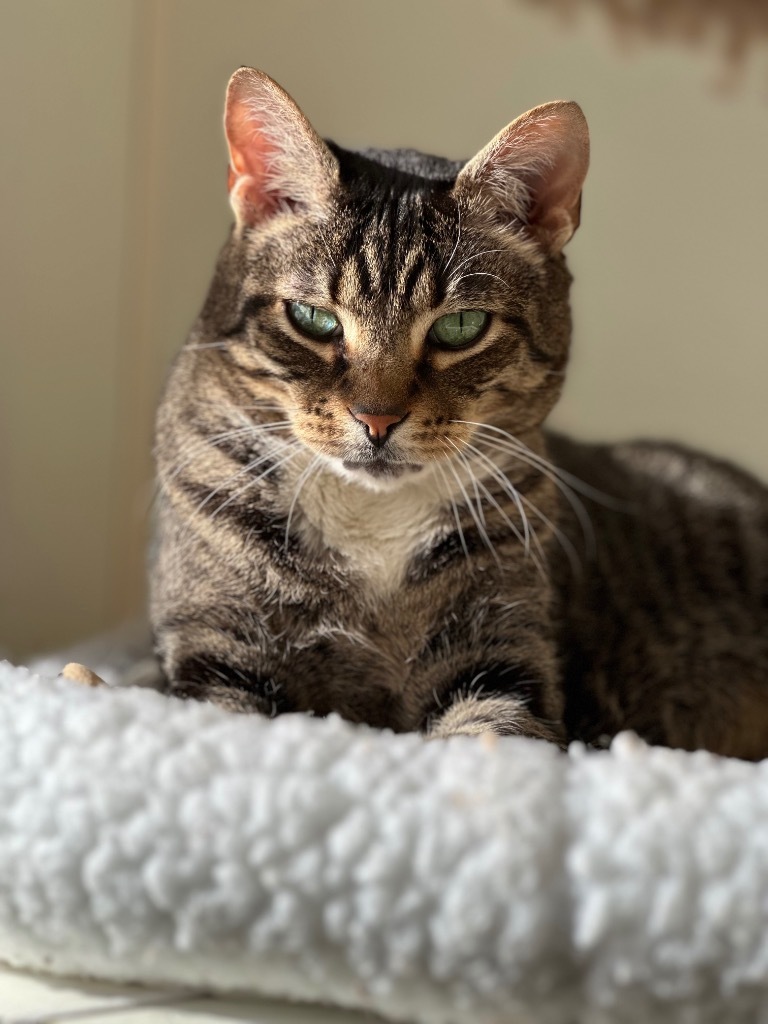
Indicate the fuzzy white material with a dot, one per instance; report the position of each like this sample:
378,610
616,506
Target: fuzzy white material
147,839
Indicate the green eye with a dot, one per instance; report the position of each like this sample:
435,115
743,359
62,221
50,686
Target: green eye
454,330
313,320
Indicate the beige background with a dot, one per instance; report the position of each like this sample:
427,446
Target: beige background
113,207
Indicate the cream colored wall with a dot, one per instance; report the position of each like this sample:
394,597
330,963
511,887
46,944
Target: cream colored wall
65,89
114,206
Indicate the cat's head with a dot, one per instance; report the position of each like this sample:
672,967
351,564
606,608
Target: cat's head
388,300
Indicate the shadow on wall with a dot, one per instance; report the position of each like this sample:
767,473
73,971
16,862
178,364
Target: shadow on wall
735,27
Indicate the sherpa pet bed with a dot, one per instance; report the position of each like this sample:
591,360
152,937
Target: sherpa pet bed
150,840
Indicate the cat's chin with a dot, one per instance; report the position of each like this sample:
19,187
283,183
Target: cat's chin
378,475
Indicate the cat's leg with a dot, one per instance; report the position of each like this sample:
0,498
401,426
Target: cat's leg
211,664
494,713
246,696
493,667
511,699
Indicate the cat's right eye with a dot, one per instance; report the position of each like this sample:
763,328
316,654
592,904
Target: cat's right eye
314,321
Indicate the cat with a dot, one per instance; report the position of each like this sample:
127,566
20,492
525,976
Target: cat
360,511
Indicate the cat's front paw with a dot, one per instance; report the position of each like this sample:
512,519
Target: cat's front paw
78,673
493,716
224,696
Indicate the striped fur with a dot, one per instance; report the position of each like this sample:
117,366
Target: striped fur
423,584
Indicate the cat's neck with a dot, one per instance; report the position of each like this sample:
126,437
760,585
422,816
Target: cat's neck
376,532
373,533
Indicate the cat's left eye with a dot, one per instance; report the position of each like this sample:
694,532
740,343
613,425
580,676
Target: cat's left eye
455,330
313,321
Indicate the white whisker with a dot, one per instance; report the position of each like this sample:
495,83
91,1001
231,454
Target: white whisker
201,444
327,248
563,540
458,239
234,476
538,558
468,502
264,408
455,508
508,486
471,475
204,344
303,478
575,482
475,256
297,446
482,273
215,441
565,482
543,467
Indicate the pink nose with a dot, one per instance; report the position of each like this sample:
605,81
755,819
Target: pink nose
378,424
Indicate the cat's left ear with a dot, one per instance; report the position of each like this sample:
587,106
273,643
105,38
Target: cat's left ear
277,161
533,171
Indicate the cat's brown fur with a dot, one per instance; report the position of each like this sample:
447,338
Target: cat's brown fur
666,629
422,583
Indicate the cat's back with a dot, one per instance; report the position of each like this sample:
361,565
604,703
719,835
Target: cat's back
661,474
672,521
671,590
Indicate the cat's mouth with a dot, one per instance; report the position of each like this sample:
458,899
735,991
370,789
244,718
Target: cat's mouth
380,468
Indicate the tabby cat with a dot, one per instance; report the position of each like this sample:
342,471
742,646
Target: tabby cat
360,511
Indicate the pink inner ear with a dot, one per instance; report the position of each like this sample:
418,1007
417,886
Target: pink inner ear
250,154
534,171
556,183
558,159
278,163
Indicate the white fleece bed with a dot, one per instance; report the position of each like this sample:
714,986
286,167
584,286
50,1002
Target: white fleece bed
150,840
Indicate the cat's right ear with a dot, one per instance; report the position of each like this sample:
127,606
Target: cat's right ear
531,174
277,161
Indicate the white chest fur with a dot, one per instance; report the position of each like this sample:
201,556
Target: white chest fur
376,531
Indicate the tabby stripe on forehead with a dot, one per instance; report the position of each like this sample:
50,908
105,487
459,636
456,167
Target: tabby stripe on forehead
386,230
412,277
355,241
364,282
434,256
334,281
439,289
